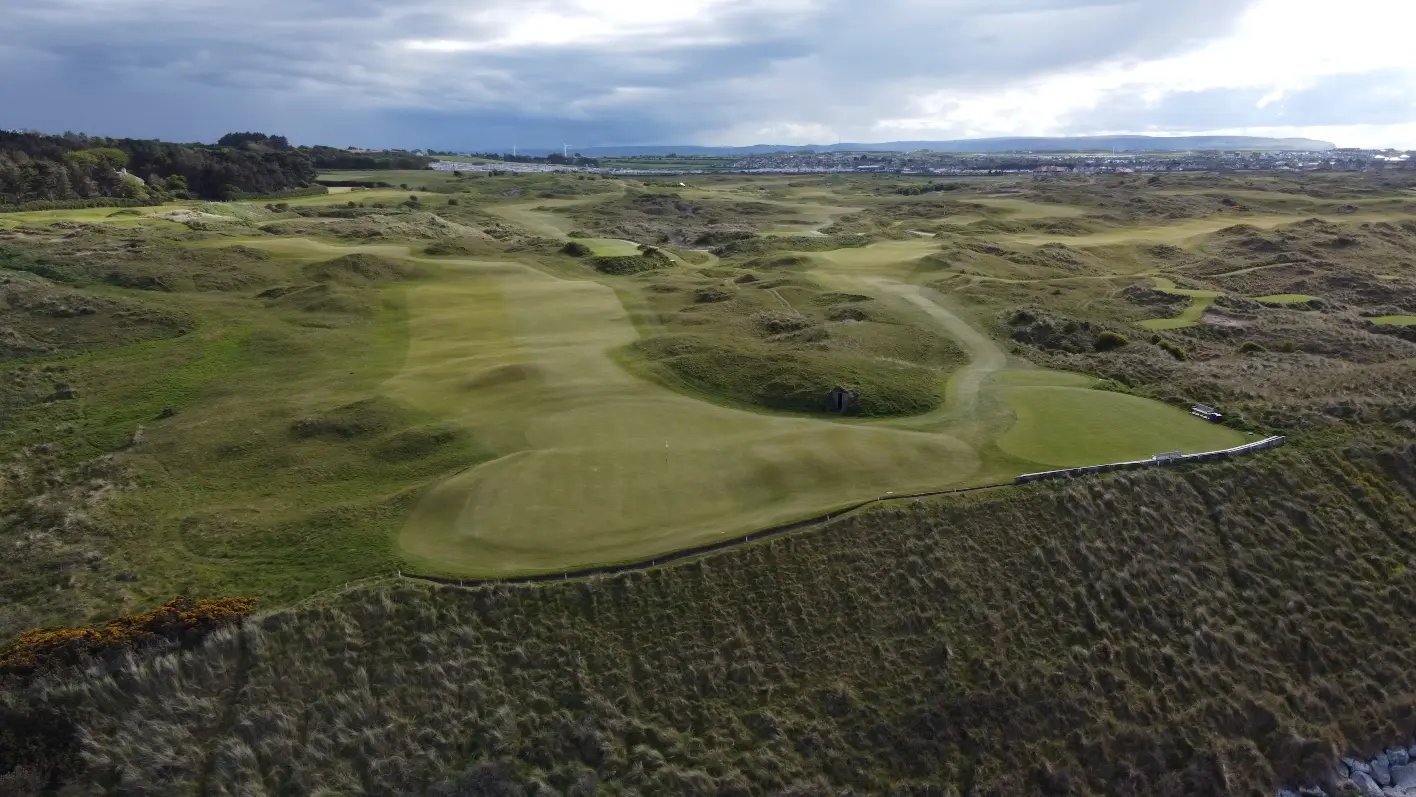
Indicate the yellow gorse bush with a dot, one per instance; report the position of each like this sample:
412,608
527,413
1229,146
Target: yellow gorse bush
181,620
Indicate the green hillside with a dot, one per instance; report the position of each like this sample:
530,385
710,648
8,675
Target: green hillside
1216,630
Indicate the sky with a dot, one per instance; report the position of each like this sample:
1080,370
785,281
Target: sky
490,74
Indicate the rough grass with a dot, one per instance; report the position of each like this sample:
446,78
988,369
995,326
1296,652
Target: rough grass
1196,632
246,453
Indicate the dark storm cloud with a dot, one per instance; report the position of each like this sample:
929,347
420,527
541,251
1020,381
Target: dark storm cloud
341,72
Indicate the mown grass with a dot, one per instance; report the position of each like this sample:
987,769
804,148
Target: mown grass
1286,298
1068,426
1396,320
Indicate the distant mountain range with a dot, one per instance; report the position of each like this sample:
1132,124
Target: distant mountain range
992,145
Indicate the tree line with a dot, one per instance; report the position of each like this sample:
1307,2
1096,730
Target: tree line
74,168
37,167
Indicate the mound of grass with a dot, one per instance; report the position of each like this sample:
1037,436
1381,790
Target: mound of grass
323,298
360,419
792,380
421,442
362,269
144,261
42,318
780,262
764,245
458,248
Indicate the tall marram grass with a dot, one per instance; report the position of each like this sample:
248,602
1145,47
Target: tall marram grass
1215,630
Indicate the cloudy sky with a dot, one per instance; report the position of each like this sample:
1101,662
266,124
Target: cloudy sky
484,74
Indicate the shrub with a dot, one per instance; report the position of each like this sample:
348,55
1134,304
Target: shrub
576,249
1173,350
181,620
452,201
1251,348
711,295
1109,340
628,264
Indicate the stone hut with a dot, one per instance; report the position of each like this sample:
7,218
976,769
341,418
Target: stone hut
843,401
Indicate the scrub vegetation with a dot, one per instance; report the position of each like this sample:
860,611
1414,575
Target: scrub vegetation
286,400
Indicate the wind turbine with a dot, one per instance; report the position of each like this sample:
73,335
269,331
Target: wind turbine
565,150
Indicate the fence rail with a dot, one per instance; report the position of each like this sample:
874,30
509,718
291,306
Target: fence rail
798,525
1154,462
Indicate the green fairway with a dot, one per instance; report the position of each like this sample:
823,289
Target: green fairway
597,465
1068,426
1286,298
1395,320
1200,301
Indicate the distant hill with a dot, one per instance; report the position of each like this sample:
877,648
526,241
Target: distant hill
994,145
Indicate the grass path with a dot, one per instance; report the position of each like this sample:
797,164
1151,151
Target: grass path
985,356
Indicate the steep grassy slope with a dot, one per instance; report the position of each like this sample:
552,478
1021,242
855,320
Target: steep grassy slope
1205,631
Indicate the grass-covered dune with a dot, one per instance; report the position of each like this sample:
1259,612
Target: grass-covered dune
1216,630
790,380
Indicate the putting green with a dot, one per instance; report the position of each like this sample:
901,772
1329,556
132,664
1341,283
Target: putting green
1068,426
610,247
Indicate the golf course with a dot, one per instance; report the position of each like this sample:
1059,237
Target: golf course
594,464
545,374
681,469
